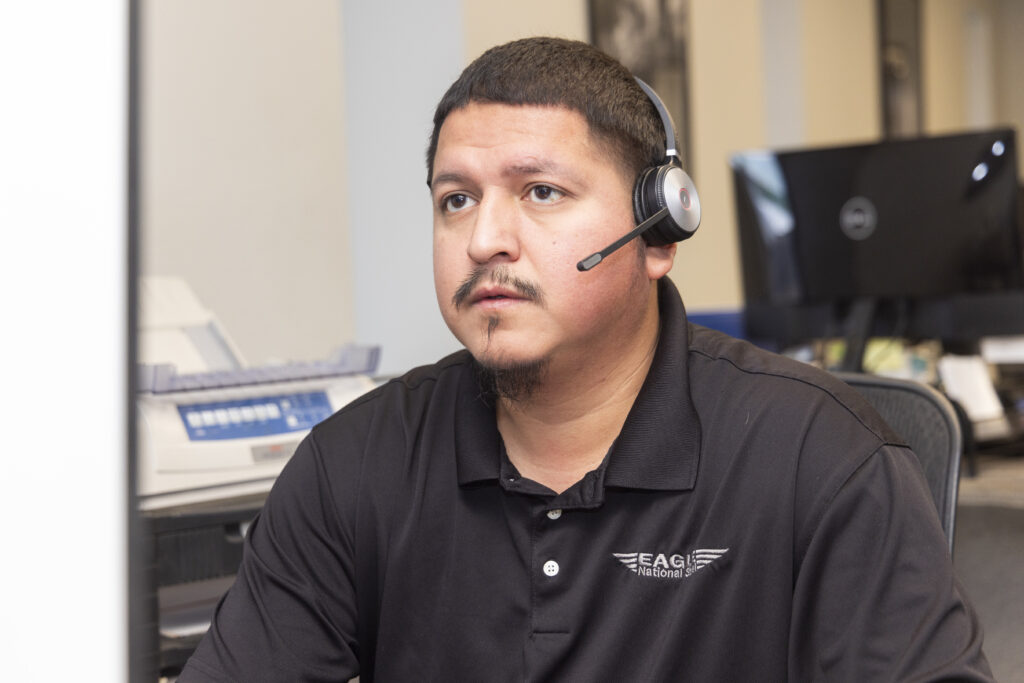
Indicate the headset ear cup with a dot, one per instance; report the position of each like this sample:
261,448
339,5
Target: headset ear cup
679,194
649,197
664,231
666,186
670,187
641,211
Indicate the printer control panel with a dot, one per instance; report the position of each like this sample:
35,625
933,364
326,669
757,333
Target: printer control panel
257,416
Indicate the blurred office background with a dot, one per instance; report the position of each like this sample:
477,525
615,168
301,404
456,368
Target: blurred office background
282,143
280,173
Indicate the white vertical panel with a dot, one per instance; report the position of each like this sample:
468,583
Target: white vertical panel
782,50
399,59
979,55
63,70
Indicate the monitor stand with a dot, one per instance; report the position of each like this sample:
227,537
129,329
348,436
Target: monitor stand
857,326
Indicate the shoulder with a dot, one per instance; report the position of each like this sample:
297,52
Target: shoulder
804,431
375,434
402,400
723,368
380,443
713,351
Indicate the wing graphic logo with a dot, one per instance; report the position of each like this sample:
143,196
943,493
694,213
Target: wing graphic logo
669,566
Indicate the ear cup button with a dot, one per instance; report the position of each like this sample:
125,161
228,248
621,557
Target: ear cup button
682,201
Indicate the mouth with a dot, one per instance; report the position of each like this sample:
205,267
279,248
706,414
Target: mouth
496,289
492,297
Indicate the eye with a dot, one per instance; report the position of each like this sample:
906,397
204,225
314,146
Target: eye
454,203
545,194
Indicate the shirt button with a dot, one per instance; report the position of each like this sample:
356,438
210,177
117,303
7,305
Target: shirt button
551,568
554,514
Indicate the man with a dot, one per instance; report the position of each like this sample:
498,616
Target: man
593,490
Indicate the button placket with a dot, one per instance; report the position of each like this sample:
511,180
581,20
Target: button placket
553,557
551,567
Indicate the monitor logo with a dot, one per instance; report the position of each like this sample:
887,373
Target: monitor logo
858,218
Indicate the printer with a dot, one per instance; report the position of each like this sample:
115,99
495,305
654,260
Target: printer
213,434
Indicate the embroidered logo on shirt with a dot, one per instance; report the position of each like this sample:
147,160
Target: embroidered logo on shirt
675,566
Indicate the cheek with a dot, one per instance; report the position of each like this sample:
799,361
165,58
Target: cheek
444,272
446,252
558,255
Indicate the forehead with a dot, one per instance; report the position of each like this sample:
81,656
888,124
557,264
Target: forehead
490,132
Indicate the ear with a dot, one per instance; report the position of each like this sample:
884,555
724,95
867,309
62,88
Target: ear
659,260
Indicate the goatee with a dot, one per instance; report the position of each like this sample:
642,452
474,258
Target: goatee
515,382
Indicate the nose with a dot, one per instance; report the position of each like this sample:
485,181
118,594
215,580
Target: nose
495,230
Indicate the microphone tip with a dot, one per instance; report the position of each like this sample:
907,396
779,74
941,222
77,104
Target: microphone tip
589,262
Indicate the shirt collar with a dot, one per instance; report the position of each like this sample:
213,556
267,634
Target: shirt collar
659,445
477,440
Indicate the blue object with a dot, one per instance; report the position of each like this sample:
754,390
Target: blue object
729,322
260,416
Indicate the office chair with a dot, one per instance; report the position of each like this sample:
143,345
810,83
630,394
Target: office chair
928,421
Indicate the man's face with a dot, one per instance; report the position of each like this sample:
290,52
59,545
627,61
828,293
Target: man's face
521,194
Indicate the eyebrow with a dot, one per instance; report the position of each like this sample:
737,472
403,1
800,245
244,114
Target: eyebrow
540,166
456,178
514,170
531,167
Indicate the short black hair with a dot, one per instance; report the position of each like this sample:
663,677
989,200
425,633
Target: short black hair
562,73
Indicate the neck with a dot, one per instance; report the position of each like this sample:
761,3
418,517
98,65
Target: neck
566,426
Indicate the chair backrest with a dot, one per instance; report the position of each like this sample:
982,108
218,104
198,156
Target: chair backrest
928,422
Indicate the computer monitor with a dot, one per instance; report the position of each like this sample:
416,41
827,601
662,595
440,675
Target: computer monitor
915,237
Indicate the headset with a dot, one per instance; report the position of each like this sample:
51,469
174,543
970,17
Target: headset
665,202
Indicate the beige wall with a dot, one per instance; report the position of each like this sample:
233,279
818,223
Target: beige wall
243,177
834,97
1010,63
727,114
945,74
972,62
1009,71
840,68
973,66
1010,60
489,22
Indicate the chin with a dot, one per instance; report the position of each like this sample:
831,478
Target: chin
501,359
511,378
500,347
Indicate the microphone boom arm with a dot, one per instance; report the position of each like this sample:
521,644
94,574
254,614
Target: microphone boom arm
592,260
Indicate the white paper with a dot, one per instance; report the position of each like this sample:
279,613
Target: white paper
966,379
1003,350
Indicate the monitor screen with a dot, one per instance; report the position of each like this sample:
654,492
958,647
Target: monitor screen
915,225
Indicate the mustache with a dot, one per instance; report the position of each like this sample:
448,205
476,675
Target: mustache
500,276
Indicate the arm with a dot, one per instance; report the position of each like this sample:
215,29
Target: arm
875,597
291,614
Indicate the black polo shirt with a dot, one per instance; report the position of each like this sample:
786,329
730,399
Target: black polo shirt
754,520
